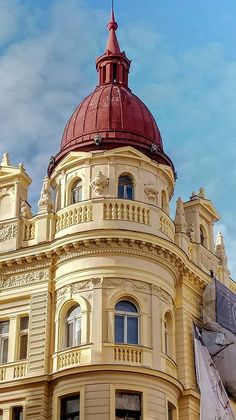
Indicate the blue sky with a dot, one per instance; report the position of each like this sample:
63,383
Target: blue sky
183,67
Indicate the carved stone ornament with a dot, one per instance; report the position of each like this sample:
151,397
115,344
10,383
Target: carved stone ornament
192,233
45,196
208,261
150,191
10,190
180,220
7,232
161,294
25,209
5,160
99,183
23,279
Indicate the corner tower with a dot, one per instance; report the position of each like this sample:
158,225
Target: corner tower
99,288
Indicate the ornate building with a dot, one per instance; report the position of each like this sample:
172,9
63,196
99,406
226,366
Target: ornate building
100,288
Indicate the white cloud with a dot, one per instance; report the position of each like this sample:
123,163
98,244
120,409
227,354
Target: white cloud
43,76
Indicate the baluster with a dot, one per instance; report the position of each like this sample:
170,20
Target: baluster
126,212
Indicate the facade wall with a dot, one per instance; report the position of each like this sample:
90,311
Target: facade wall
95,253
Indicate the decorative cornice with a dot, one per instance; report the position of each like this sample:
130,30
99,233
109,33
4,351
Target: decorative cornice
116,245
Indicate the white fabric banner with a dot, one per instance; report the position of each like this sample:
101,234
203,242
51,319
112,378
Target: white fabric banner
214,400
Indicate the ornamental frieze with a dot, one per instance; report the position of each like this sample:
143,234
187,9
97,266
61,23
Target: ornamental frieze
8,232
7,282
161,294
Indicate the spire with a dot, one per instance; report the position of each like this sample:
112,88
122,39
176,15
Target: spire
113,66
220,249
112,42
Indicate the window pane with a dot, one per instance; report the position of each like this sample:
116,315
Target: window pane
128,406
125,306
24,323
73,312
17,413
70,408
4,327
120,191
23,346
4,350
128,401
129,192
119,329
132,330
70,334
78,332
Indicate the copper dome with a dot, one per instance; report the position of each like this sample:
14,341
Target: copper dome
112,113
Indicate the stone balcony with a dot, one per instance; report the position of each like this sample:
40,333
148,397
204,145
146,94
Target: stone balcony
100,213
114,213
12,371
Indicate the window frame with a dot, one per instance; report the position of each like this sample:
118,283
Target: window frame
125,195
138,415
76,188
65,416
13,415
23,333
4,337
74,321
126,315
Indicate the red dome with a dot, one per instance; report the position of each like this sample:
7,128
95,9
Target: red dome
112,116
118,116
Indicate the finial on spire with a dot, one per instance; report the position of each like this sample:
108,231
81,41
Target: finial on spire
112,42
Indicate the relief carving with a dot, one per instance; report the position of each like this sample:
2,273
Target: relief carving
7,232
150,191
207,261
23,279
161,294
99,183
81,285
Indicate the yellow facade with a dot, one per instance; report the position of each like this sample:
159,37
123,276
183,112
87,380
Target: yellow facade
91,255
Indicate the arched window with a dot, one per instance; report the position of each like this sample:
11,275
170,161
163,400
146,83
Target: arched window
76,192
125,187
126,323
167,334
73,326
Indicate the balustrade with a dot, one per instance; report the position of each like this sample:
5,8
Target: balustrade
69,359
133,212
29,230
73,216
10,371
125,354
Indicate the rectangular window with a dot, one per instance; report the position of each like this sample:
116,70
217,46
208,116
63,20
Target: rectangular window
128,406
17,413
70,408
23,337
171,411
4,338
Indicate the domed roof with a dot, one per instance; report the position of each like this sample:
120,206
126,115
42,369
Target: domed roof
117,115
112,116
